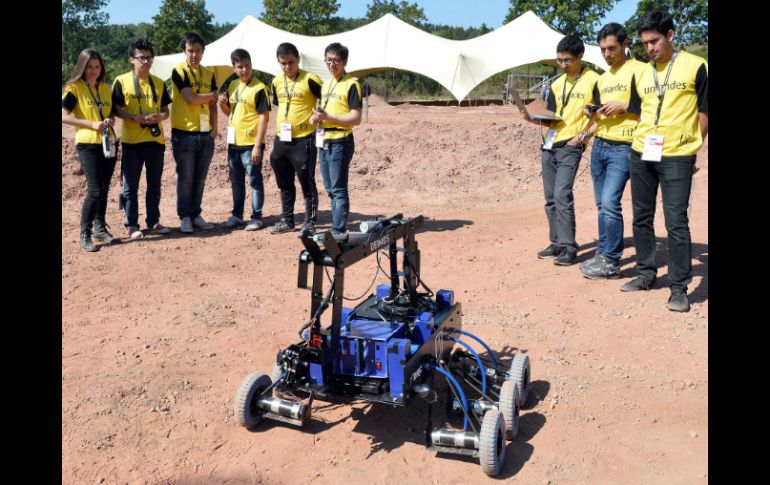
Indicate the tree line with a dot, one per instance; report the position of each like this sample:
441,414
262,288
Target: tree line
85,24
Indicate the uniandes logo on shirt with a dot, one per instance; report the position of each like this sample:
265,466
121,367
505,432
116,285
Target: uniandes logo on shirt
91,104
614,89
141,96
577,96
672,85
298,92
335,96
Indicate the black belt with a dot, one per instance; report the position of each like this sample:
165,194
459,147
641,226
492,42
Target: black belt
294,140
177,131
347,137
613,142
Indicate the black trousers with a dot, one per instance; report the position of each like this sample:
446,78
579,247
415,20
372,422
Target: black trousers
290,159
98,171
674,176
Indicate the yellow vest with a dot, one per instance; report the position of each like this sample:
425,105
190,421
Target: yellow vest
297,95
615,85
252,100
578,94
679,114
86,108
187,116
336,99
124,86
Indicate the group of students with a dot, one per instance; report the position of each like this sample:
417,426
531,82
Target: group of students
311,116
649,120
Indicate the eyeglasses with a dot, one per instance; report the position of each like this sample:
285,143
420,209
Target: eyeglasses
143,58
335,62
565,62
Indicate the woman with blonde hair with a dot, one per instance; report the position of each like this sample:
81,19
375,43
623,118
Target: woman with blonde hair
87,105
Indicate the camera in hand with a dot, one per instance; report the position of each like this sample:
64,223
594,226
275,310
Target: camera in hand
106,142
593,108
154,129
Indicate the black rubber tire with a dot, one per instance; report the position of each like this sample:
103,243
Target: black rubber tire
520,373
509,408
492,442
245,406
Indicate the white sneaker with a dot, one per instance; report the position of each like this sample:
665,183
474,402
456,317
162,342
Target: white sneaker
201,223
233,221
134,232
253,225
186,225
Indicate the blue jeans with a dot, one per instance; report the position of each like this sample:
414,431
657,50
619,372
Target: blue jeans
609,170
149,154
193,153
239,160
335,163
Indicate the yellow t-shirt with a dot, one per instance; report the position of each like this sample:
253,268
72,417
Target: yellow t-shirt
296,99
124,95
250,100
567,98
615,85
685,95
187,117
338,98
83,101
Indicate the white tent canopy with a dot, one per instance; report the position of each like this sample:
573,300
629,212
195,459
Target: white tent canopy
458,65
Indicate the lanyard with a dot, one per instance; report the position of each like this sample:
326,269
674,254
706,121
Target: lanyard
238,94
195,79
565,97
286,90
97,99
661,90
139,92
331,90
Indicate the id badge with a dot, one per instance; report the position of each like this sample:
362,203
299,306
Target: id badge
653,148
549,138
204,121
319,137
230,135
285,134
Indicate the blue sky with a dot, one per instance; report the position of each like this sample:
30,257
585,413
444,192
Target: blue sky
463,13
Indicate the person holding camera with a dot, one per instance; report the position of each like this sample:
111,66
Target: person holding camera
141,100
614,130
193,130
86,105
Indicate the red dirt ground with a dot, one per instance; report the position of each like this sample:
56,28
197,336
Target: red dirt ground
158,333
